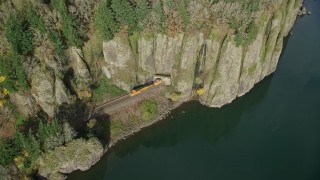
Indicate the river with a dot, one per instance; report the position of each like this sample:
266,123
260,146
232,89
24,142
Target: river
271,133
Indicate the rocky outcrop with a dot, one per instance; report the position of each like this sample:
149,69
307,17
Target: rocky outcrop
121,63
212,61
24,103
225,85
252,65
80,68
185,65
61,92
43,89
146,63
79,154
47,90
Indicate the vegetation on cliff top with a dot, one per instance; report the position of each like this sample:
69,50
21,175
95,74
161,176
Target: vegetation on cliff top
38,33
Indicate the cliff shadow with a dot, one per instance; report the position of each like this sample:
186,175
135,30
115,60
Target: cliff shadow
78,115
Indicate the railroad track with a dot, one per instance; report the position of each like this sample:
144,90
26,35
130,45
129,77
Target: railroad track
115,104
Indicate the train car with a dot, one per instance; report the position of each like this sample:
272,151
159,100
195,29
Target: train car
144,87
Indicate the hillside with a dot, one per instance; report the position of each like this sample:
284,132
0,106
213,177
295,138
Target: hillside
58,58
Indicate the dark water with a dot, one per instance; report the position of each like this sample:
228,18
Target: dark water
272,133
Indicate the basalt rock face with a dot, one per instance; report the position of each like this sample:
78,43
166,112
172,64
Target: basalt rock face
209,60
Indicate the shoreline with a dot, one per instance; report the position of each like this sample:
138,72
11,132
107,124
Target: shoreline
164,112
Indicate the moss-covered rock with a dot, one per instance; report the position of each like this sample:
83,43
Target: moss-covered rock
79,154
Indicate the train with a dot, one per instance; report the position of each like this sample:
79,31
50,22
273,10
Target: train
139,89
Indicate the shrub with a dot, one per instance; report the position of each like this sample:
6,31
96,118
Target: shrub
104,21
117,128
55,39
148,109
7,152
104,87
34,19
141,11
70,25
12,68
183,12
29,145
159,11
170,4
252,32
19,35
50,135
124,13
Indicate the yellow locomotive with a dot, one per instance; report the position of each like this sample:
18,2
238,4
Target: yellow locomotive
144,87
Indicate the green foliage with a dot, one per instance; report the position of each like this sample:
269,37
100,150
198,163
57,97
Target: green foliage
117,128
124,13
149,109
7,152
245,36
239,39
37,23
170,4
245,28
134,42
58,44
159,11
141,11
252,69
104,21
20,121
70,29
50,134
34,19
183,12
70,25
19,35
252,32
234,24
104,87
12,68
28,144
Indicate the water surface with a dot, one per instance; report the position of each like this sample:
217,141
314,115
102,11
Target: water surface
272,133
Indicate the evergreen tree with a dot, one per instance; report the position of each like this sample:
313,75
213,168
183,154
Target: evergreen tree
124,13
104,21
34,19
182,9
7,152
142,10
70,25
29,144
159,11
12,68
19,35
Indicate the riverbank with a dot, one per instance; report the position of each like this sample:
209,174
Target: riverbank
164,108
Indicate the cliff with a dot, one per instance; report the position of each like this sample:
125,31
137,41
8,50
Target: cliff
59,57
211,60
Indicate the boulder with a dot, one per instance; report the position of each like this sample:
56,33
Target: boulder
79,154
